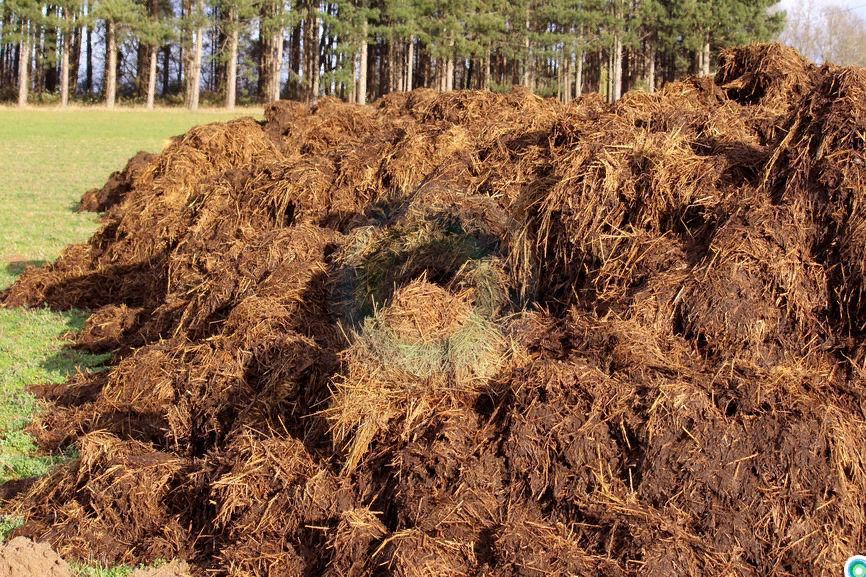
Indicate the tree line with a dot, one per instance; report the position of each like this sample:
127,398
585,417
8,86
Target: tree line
252,51
826,32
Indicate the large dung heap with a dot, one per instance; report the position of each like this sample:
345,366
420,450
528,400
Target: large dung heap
477,334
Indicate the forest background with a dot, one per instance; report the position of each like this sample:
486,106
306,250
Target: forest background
233,52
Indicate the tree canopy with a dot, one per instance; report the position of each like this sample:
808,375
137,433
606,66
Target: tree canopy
360,49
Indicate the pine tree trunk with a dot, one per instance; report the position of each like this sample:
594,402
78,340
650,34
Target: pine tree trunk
296,57
74,64
557,69
312,55
48,51
410,64
151,77
166,65
38,63
578,81
393,67
278,63
362,68
4,26
353,86
486,84
568,56
232,67
195,73
706,58
527,75
111,78
185,53
400,73
88,73
142,56
23,64
651,69
617,75
609,84
64,74
449,66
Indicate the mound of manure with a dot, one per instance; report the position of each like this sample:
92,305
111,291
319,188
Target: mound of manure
476,334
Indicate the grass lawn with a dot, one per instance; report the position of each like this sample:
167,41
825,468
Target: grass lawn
47,159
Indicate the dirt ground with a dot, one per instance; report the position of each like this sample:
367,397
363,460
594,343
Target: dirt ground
477,334
21,557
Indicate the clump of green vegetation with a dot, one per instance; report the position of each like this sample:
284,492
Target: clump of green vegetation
7,525
84,570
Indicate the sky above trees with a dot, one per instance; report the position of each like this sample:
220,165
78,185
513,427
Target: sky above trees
827,30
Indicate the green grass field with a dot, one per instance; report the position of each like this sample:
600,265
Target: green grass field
47,159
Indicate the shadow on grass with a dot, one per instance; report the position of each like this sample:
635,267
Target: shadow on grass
21,460
16,268
64,363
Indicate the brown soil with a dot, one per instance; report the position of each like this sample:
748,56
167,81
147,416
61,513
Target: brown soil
21,557
477,334
118,185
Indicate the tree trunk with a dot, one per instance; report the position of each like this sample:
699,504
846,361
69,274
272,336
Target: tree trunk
184,62
393,67
410,65
527,75
67,47
265,66
23,64
74,64
312,55
38,62
449,66
232,67
151,77
48,52
651,69
88,73
706,58
557,68
362,68
4,28
195,73
487,65
166,65
353,85
578,81
278,63
566,73
216,42
608,89
617,65
142,56
111,78
296,57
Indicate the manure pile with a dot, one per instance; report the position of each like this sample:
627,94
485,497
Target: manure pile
477,334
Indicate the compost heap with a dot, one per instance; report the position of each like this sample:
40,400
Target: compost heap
477,334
